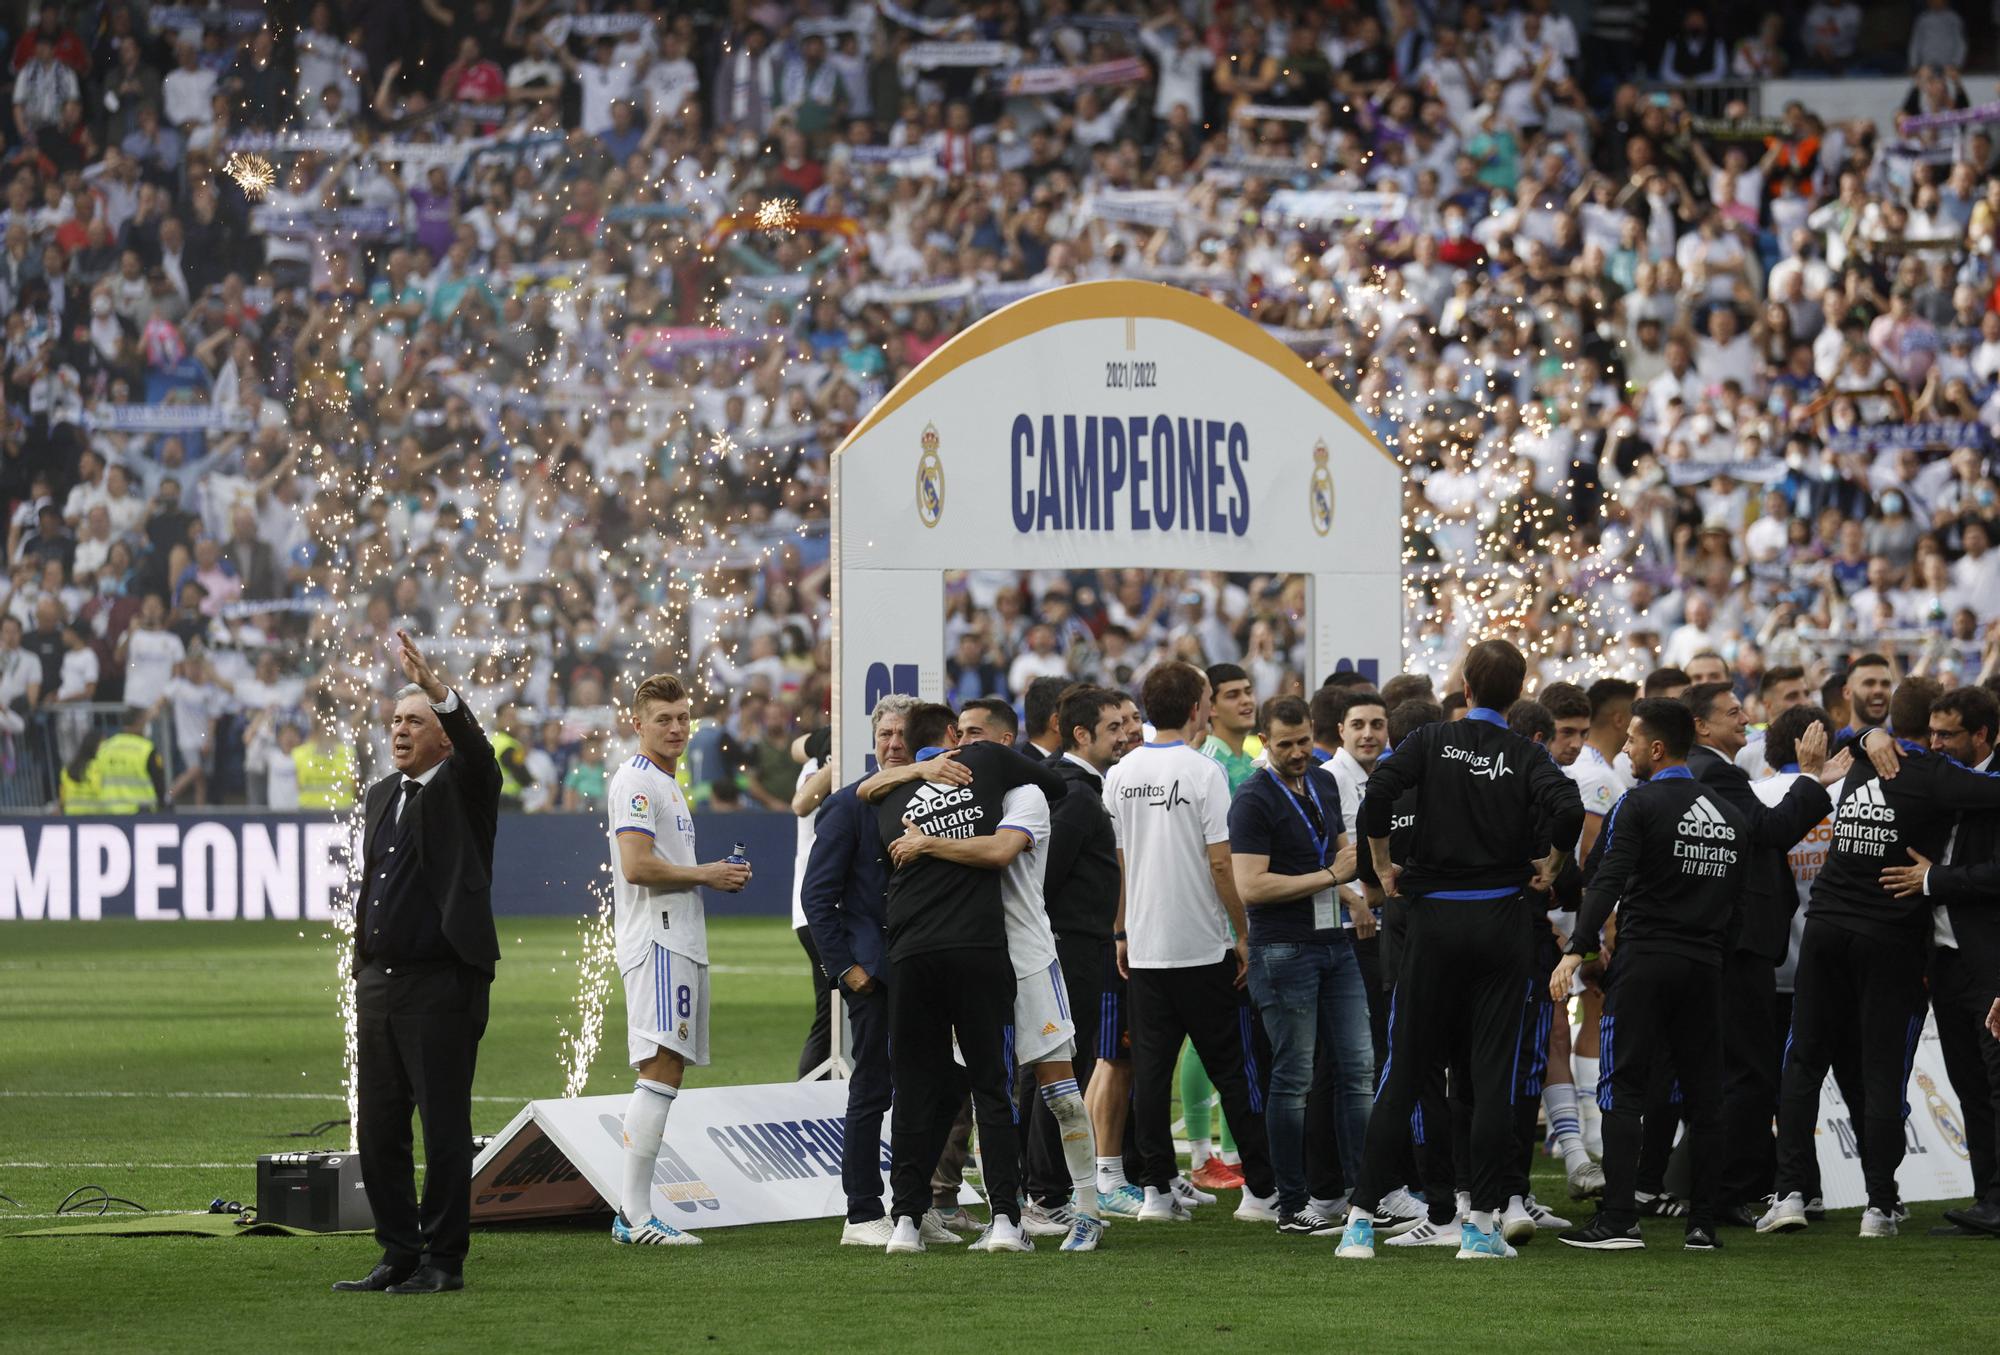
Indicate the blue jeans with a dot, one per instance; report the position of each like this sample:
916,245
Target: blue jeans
1311,995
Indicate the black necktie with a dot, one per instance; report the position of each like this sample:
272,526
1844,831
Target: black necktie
410,789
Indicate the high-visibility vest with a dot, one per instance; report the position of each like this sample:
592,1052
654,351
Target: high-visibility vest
82,796
326,775
122,772
505,744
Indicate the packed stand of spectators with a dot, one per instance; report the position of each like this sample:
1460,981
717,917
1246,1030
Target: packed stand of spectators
500,356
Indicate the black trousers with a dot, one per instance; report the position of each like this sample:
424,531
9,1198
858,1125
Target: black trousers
1462,997
1868,993
1046,1171
1662,1011
1533,1069
1204,1006
1971,1059
933,996
418,1042
1749,1076
870,1088
819,1039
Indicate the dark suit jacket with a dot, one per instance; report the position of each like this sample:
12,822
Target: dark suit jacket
1969,886
844,896
1769,896
257,565
457,816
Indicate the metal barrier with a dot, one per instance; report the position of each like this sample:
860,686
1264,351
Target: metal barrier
31,761
1708,100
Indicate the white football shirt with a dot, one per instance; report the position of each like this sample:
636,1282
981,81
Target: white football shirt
1031,945
1168,805
803,846
642,798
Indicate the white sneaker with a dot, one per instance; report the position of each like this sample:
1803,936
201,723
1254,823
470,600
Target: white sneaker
651,1233
1543,1216
1085,1233
904,1239
873,1233
1002,1235
1163,1208
1328,1209
1400,1204
1428,1234
1188,1193
958,1219
1398,1212
1875,1223
1040,1221
933,1232
1255,1210
1586,1181
1516,1223
1785,1215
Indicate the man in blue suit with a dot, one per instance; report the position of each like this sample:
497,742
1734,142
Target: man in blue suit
847,877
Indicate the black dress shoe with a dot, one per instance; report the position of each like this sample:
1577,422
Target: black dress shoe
1737,1216
429,1280
377,1280
1954,1230
1983,1217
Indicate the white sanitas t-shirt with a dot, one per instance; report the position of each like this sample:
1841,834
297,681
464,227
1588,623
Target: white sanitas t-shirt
642,798
1168,805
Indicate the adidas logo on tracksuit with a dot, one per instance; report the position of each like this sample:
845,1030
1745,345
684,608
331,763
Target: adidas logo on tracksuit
1702,821
1867,803
1700,839
1865,824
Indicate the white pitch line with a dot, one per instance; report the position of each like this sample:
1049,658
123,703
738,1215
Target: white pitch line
126,1166
235,1096
86,1216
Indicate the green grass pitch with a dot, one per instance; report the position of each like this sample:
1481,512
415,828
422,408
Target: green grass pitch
166,1017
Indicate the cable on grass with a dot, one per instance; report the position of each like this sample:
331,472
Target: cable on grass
317,1129
10,1199
103,1199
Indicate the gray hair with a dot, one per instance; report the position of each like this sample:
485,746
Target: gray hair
409,689
895,703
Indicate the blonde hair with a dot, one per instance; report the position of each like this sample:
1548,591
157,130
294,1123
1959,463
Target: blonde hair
659,687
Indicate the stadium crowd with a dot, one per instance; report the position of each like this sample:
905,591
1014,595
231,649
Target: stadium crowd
505,354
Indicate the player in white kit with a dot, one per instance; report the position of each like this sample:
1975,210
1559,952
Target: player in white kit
662,941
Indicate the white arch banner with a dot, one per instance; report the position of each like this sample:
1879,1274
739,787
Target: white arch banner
1105,425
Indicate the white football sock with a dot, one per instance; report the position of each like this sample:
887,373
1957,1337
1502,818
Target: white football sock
1199,1151
1230,1157
1110,1173
645,1129
1480,1219
1589,1119
1559,1104
1079,1145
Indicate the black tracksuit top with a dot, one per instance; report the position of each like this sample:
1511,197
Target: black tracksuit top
1673,862
1485,794
1876,824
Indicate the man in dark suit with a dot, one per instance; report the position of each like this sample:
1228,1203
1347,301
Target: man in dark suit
1751,958
424,951
1964,972
844,900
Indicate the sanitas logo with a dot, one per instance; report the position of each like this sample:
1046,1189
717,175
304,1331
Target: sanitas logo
1702,820
1867,803
1168,797
1492,766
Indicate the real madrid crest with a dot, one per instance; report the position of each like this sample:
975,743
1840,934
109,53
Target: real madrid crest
1944,1115
1321,498
930,479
